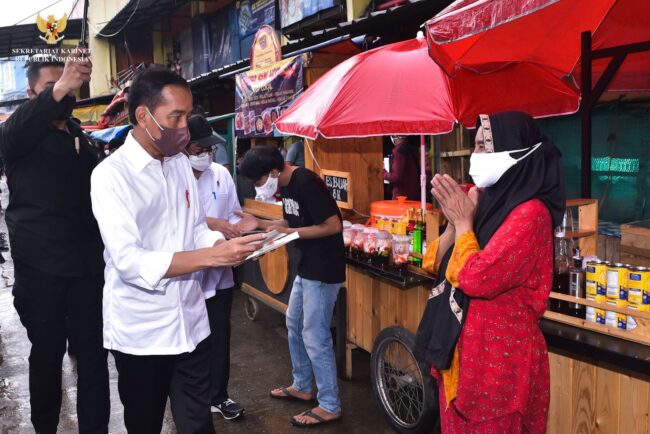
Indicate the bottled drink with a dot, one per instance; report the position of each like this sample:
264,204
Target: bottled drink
417,239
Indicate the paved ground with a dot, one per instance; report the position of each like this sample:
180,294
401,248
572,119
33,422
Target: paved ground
260,361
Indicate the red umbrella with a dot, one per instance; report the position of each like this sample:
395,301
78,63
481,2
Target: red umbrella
397,89
484,35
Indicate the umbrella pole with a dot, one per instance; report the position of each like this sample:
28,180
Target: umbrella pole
423,175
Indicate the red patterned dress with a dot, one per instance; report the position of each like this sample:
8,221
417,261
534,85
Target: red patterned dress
503,379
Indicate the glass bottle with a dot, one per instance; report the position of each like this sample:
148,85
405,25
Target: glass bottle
417,238
576,286
560,273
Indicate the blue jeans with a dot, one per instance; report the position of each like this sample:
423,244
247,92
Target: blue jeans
309,316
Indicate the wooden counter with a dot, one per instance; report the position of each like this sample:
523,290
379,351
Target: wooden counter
269,211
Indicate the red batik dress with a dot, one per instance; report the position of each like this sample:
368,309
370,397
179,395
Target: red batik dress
501,383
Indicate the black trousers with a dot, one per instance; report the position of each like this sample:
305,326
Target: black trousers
219,308
145,382
54,309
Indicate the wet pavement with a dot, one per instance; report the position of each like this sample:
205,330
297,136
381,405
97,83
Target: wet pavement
260,362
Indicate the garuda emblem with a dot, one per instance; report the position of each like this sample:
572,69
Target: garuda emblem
52,28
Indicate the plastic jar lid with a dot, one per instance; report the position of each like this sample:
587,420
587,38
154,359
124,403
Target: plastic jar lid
347,224
370,230
383,235
358,227
401,238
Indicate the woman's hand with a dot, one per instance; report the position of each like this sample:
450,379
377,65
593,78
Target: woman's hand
458,207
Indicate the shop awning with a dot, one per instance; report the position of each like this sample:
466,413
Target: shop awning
90,114
376,23
139,12
26,36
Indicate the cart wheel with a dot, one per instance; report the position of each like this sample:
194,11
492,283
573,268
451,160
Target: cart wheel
402,385
252,308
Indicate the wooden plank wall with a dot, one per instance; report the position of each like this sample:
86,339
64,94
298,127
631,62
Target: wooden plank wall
590,399
455,149
374,305
362,157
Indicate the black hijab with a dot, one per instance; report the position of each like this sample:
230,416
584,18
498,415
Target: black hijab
539,175
536,176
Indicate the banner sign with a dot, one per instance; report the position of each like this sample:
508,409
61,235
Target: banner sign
262,94
253,14
292,11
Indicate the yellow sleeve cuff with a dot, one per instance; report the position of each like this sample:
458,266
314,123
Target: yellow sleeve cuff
450,378
465,245
430,262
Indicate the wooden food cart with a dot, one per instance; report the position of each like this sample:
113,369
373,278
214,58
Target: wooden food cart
374,312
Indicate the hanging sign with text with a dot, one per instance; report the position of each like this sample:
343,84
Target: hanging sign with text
339,186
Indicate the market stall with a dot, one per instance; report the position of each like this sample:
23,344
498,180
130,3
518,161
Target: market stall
600,359
594,367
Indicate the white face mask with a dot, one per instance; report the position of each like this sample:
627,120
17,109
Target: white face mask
266,192
200,162
107,151
487,168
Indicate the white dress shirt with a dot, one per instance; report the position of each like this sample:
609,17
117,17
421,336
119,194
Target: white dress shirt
219,199
146,211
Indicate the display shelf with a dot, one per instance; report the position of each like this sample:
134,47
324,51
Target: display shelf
406,280
641,334
579,234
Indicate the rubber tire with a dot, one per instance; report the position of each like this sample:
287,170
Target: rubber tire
430,420
251,308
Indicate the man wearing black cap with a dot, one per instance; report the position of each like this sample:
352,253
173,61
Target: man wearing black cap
219,199
56,246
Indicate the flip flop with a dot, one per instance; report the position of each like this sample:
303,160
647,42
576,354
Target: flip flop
309,413
289,396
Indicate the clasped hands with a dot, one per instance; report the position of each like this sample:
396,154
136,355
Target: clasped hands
459,208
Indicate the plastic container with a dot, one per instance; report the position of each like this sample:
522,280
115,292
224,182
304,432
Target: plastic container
357,241
383,251
369,243
387,213
401,245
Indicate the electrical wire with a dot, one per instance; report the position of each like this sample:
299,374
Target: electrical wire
38,12
123,27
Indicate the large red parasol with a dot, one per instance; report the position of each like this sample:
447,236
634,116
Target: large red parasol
484,35
398,89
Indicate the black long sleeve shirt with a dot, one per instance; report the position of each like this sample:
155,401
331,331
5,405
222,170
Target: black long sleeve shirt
50,219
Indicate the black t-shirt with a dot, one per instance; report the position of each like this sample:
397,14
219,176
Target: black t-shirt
307,202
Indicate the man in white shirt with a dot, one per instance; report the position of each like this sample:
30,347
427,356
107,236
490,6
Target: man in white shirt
146,202
223,213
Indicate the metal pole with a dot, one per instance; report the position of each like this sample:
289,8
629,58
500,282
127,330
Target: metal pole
423,175
585,155
84,26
